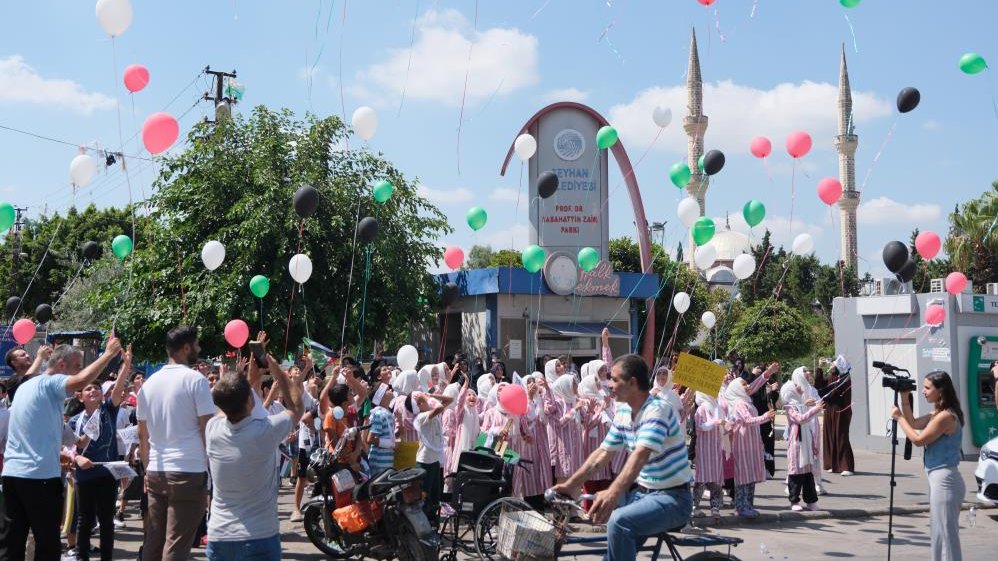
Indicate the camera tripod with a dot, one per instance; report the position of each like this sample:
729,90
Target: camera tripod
889,370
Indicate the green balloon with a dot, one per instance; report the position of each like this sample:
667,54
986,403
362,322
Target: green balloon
533,258
383,191
700,161
972,63
754,211
679,173
7,215
477,217
703,230
606,137
121,246
259,286
588,258
849,3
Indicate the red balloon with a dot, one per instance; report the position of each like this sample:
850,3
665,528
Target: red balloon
928,244
829,190
955,283
24,331
513,399
236,333
798,144
935,314
761,147
159,132
706,2
136,77
454,257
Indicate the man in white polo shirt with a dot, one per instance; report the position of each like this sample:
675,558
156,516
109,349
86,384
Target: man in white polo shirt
172,409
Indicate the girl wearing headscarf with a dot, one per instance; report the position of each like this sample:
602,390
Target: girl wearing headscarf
424,376
803,445
405,384
531,483
746,444
597,425
484,385
799,400
552,370
568,423
601,368
711,439
455,428
836,391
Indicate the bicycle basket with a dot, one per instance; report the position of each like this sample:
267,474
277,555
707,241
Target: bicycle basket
525,535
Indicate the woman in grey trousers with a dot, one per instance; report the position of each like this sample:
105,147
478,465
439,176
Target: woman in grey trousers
940,432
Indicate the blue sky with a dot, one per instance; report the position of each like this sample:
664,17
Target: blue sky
774,70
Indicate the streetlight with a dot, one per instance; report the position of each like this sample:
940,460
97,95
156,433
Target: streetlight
660,228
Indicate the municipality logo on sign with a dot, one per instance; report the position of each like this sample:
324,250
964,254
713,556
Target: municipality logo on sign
569,145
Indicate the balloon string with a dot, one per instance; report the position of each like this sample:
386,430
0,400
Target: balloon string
121,143
30,282
363,300
343,107
183,296
855,46
261,314
443,335
346,299
68,286
793,198
717,26
887,138
755,5
541,9
464,94
291,306
408,67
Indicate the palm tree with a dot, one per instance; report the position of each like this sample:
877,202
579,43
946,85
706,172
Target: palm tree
972,243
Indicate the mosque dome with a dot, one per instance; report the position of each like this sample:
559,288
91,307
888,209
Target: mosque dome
730,244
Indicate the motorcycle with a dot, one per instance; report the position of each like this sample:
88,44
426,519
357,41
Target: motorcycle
380,518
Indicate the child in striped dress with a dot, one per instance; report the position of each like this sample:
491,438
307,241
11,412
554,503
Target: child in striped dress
746,443
568,426
803,444
405,384
552,370
711,435
597,426
536,478
381,436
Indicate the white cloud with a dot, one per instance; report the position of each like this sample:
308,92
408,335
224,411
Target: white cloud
503,60
738,113
782,230
516,237
883,210
506,194
20,83
566,94
445,196
931,125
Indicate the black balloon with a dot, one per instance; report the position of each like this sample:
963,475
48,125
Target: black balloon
306,201
449,294
713,161
13,303
907,271
547,184
43,313
367,228
908,99
90,251
895,256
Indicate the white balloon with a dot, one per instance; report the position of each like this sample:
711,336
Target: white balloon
743,266
803,244
365,122
688,211
525,146
705,255
682,302
300,268
81,170
212,254
708,319
114,16
407,357
662,116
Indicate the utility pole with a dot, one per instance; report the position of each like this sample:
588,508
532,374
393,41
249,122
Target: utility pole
223,104
16,257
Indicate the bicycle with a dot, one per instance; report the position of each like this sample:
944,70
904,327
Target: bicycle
509,529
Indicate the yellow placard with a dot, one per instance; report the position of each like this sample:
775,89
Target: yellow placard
700,374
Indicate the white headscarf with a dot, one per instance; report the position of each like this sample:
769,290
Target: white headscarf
788,391
551,371
799,377
584,371
842,365
452,391
564,387
668,380
484,385
535,410
735,392
424,379
406,382
594,368
589,386
710,403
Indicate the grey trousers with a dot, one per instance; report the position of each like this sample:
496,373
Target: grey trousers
946,492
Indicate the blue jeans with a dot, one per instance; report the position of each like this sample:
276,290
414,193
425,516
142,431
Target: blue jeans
645,514
265,549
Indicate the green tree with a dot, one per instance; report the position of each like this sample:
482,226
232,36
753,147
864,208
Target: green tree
925,271
972,243
235,185
479,257
506,258
771,331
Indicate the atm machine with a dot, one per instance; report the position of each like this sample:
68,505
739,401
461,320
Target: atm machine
981,413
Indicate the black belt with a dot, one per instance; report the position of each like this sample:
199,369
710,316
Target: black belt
642,489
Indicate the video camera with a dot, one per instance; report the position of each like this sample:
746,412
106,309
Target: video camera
893,378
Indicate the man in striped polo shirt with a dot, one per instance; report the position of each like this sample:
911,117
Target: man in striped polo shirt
652,492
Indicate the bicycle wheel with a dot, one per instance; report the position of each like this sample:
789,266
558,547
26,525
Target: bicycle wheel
711,556
487,526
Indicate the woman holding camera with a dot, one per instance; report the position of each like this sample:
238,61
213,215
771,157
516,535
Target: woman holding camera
940,432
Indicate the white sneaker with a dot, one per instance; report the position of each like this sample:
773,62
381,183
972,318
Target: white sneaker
847,473
119,523
69,556
821,490
796,507
828,470
786,490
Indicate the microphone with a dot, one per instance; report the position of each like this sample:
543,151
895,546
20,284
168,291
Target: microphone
884,366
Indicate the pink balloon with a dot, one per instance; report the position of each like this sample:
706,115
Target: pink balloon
761,147
159,132
454,257
955,283
236,333
513,399
24,331
935,314
928,244
706,2
136,77
829,190
798,144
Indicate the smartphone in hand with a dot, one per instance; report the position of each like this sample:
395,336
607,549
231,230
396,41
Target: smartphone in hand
259,354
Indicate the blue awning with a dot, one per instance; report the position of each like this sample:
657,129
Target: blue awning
583,329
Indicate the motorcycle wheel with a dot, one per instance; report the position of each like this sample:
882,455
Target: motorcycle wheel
330,545
411,549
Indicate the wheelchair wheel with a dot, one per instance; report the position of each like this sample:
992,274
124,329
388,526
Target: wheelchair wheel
487,526
711,556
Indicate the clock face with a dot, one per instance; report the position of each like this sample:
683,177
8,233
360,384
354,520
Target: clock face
561,274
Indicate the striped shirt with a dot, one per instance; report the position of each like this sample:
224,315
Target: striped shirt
657,430
383,427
